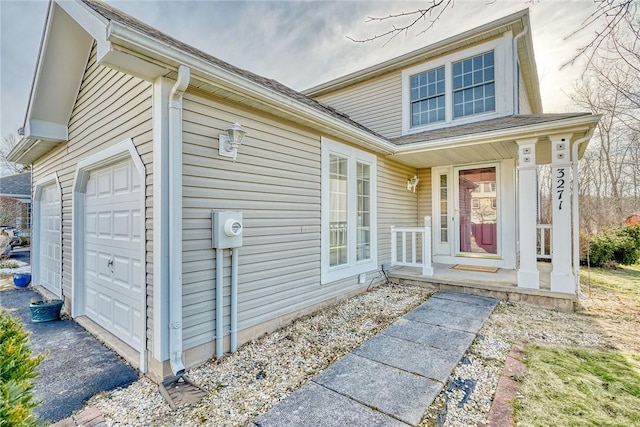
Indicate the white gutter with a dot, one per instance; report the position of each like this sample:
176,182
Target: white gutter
521,132
516,83
175,220
242,86
576,211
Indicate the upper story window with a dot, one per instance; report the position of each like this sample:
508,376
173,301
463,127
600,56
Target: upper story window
461,87
427,97
474,88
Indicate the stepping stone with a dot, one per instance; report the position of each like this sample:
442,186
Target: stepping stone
471,299
430,362
402,394
313,405
456,307
463,321
432,335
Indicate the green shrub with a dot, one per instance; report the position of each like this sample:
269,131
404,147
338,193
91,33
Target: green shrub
619,246
17,371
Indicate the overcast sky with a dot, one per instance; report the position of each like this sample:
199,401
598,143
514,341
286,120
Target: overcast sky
300,44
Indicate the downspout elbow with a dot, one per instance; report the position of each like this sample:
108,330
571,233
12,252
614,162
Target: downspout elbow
184,75
175,220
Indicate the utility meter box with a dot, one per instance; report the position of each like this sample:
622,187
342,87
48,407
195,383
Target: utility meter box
227,229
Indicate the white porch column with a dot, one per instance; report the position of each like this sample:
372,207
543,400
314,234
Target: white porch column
562,279
528,275
427,268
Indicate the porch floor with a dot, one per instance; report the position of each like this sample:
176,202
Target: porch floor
502,284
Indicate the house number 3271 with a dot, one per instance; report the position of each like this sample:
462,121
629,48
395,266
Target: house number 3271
560,186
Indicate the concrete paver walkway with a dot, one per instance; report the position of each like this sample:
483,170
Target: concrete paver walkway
394,377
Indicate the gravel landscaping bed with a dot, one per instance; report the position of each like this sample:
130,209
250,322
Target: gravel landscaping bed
248,383
264,371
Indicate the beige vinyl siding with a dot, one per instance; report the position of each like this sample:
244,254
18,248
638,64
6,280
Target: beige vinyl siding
523,98
396,205
376,103
424,195
275,182
111,106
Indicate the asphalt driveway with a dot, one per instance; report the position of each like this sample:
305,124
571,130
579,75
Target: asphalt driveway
76,366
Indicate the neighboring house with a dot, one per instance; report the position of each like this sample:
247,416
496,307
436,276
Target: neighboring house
18,186
127,133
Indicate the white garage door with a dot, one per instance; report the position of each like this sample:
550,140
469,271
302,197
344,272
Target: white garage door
113,252
49,240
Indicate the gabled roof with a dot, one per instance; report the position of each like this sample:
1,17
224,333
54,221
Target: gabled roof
517,23
18,185
132,46
127,44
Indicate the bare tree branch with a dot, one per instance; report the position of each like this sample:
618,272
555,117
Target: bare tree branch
416,16
8,142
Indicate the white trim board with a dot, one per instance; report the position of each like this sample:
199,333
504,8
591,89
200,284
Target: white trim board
120,151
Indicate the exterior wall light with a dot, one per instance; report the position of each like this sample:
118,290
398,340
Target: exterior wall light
229,142
413,183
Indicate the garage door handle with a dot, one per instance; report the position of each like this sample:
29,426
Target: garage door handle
110,264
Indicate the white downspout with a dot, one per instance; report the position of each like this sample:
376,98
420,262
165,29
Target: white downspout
175,220
576,213
516,76
234,299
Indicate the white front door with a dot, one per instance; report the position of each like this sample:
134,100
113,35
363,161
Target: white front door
113,255
50,254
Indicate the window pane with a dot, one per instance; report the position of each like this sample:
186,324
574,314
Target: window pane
444,210
363,221
427,97
338,233
474,88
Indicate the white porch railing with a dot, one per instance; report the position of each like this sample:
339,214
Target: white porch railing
544,241
411,246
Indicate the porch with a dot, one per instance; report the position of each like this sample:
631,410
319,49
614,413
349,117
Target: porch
502,285
411,263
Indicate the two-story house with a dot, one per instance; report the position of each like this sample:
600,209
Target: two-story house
181,240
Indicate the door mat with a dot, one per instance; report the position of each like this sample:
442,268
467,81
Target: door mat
477,268
181,391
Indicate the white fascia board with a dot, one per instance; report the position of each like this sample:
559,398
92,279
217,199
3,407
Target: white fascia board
91,22
245,87
578,124
19,149
47,131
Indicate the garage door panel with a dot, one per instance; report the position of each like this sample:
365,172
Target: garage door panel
121,224
115,204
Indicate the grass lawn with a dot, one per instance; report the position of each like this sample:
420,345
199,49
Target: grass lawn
589,386
579,387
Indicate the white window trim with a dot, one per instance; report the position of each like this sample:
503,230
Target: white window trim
502,77
117,152
36,225
499,217
352,268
